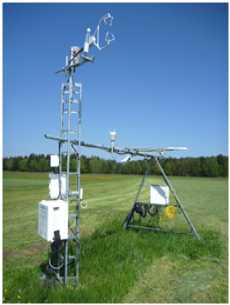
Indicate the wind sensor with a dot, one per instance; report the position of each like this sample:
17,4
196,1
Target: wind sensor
77,58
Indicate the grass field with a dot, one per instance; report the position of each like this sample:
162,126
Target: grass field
116,265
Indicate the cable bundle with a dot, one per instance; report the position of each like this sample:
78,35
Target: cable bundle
170,211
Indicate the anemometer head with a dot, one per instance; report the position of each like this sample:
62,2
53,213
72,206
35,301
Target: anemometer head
94,39
75,58
95,36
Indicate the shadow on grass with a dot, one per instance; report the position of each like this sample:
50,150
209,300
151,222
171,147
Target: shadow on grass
111,261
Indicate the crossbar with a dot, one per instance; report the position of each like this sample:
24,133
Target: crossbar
158,229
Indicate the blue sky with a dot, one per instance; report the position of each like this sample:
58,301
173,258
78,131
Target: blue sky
162,82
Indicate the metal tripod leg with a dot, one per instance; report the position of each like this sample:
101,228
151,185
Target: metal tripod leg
128,218
176,198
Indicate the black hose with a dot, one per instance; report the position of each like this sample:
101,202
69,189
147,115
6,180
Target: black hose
152,214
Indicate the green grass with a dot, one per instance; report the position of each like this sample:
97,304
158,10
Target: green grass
116,265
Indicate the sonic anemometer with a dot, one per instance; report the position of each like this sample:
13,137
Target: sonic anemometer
76,58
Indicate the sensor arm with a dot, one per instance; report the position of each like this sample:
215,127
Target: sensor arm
121,151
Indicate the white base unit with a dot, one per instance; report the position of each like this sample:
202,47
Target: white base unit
159,194
54,185
53,216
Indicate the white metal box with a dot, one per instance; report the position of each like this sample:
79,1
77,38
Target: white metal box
53,216
54,185
54,160
159,194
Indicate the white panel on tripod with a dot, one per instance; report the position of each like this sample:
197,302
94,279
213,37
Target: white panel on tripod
159,194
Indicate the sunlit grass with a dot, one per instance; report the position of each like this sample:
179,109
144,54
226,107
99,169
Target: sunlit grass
119,265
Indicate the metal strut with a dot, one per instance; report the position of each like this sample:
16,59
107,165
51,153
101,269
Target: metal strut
128,218
176,198
71,106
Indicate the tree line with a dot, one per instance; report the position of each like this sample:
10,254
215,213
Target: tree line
197,167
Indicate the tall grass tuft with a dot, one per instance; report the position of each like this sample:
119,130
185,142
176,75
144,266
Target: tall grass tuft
111,261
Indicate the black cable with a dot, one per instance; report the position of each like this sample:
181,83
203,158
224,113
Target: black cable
76,54
56,248
138,209
119,153
152,214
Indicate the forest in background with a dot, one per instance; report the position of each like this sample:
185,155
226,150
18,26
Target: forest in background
197,167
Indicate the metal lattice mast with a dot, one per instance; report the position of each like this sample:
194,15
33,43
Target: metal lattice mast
68,109
69,102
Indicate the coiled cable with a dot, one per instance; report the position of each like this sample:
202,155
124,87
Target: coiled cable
170,211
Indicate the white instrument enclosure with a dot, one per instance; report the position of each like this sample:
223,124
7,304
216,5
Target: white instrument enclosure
54,185
54,160
53,216
159,194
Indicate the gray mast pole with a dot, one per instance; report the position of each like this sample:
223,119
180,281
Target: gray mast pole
71,72
78,184
70,89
